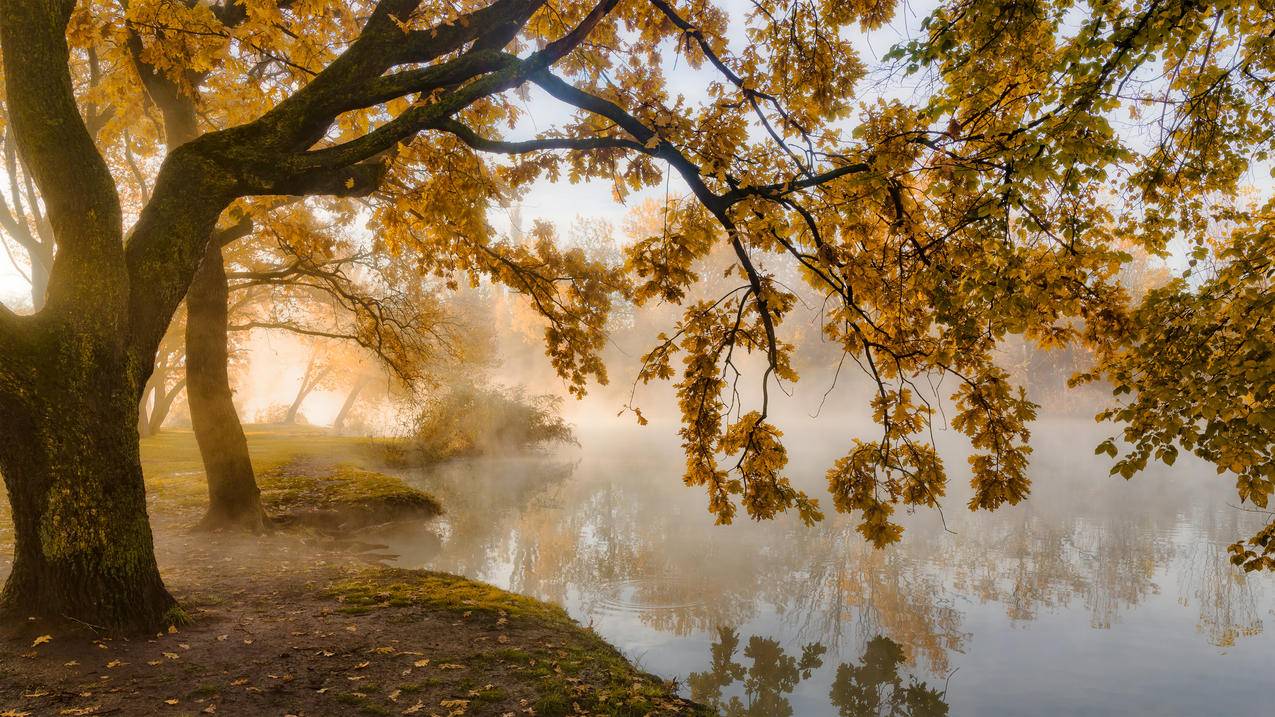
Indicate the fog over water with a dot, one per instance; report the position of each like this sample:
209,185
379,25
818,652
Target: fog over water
1096,596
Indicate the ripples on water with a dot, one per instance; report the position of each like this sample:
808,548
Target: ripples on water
1097,597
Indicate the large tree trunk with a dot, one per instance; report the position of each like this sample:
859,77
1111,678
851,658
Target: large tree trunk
69,455
234,499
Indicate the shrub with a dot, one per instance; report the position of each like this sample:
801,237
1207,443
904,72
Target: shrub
468,420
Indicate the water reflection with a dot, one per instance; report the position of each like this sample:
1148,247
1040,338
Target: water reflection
771,675
1076,579
876,688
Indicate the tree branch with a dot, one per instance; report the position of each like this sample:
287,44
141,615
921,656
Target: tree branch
78,190
482,144
292,328
268,155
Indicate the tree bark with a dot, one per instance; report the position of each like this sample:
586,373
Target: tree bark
69,455
234,501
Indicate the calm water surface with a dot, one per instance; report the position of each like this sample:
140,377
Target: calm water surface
1097,597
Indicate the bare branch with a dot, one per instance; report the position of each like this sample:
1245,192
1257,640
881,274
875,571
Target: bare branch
292,328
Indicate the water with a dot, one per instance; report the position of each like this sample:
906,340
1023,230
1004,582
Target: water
1096,597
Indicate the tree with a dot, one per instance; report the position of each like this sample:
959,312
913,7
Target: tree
935,229
167,381
357,310
316,371
361,381
22,221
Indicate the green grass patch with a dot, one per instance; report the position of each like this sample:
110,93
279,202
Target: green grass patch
354,494
175,472
561,664
393,587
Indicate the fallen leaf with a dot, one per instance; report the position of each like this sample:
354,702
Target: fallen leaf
41,640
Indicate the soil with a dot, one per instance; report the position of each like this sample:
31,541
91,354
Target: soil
296,623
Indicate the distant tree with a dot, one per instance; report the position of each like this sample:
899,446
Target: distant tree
936,228
316,371
167,381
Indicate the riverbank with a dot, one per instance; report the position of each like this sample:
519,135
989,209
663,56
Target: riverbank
305,622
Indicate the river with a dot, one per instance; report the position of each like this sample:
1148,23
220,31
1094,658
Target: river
1095,597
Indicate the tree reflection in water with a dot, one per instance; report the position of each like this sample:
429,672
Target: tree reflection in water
874,686
633,553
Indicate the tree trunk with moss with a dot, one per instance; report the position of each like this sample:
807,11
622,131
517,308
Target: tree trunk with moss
234,501
69,455
71,376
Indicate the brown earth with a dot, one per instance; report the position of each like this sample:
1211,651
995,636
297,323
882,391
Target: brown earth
295,623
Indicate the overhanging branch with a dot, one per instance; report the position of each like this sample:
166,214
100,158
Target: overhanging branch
543,144
291,328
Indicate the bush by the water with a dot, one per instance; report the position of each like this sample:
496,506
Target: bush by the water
468,420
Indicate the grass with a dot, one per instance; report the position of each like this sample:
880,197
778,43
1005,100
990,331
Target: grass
297,468
566,669
355,496
175,473
364,592
502,651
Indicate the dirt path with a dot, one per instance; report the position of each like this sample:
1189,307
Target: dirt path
292,625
